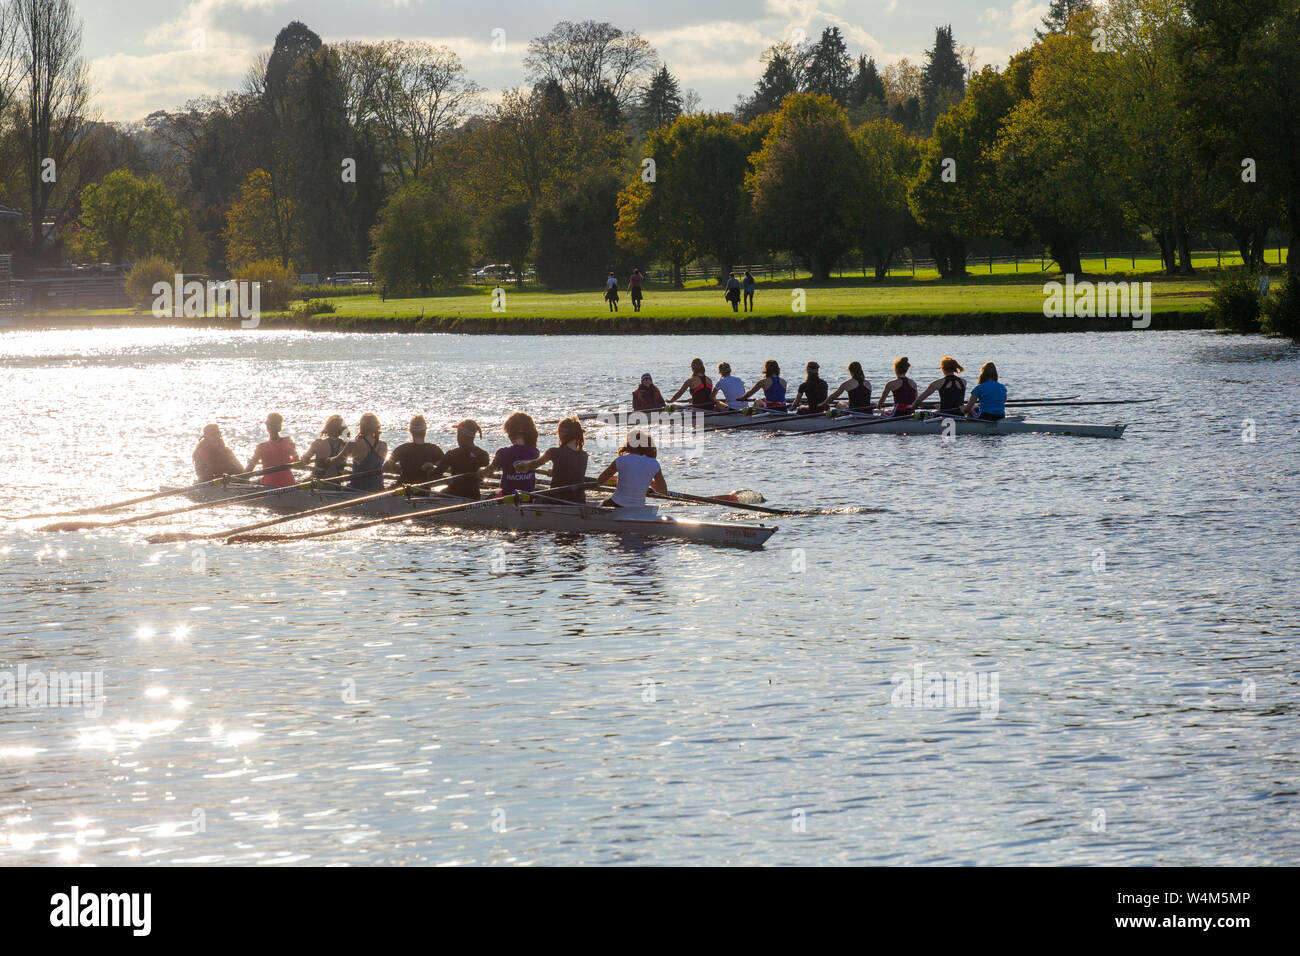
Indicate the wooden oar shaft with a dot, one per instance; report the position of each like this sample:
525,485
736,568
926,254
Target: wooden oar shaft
118,505
706,500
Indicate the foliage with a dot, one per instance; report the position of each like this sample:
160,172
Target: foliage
261,223
1282,309
421,240
1235,303
124,218
309,307
147,271
279,283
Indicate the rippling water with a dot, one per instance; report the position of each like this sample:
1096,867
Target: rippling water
459,697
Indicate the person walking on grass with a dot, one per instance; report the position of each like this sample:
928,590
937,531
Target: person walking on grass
634,287
748,287
733,292
611,292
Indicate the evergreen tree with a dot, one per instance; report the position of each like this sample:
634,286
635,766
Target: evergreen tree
1058,16
867,86
829,70
943,78
662,101
777,82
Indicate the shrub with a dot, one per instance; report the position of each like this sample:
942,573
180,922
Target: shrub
279,283
1282,310
421,240
314,307
1235,303
144,274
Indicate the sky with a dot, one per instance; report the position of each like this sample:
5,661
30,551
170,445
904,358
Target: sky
147,55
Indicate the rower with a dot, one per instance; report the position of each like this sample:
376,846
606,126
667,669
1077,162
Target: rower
951,388
773,386
647,397
367,452
812,390
699,386
990,395
465,462
522,432
638,471
731,388
901,387
414,461
855,388
276,452
567,460
213,457
321,453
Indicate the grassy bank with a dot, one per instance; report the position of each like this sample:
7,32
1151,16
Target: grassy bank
999,303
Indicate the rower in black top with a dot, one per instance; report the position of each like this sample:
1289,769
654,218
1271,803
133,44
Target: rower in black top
813,390
855,388
567,460
466,460
951,388
414,461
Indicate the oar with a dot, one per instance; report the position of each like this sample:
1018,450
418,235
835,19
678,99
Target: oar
322,509
516,498
862,422
223,480
237,499
1118,401
727,501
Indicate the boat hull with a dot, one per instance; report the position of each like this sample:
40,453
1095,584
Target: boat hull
526,516
909,426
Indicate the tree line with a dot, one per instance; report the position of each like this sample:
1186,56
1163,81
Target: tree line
1158,120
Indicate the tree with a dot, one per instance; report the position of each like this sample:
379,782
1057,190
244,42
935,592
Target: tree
584,58
829,69
662,102
890,159
1058,16
55,96
943,78
261,224
421,239
126,218
807,181
868,89
698,203
575,242
903,94
1252,49
510,236
782,76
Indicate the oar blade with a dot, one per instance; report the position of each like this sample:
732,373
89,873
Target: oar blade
171,537
71,526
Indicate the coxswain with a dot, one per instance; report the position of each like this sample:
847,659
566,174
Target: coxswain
646,396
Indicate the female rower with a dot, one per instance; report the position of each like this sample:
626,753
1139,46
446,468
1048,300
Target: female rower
567,460
464,463
773,386
855,388
638,471
990,395
414,461
368,452
902,388
698,385
522,432
276,452
951,388
730,387
646,396
813,389
321,453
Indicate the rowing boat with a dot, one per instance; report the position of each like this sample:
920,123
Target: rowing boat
530,516
787,422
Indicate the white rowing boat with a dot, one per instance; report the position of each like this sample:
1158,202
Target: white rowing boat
535,516
931,425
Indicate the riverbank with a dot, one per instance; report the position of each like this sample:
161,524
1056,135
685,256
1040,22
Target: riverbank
633,324
997,304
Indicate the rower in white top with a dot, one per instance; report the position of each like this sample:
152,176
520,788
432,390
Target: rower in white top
638,471
731,388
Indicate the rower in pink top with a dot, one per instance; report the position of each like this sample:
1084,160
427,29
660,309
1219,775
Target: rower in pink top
276,451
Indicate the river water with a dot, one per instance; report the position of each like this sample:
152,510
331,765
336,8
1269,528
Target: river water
1124,612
